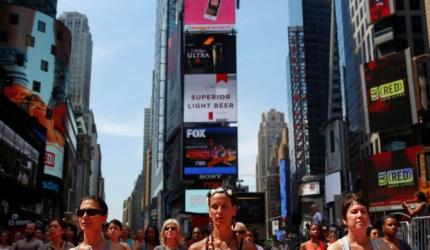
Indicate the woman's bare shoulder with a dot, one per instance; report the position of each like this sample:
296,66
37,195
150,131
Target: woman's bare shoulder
200,245
335,246
247,245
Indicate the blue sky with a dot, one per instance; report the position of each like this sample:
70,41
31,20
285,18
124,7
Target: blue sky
123,51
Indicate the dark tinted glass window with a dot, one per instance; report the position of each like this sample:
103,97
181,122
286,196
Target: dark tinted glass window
400,5
13,19
3,36
44,65
414,4
41,26
36,86
416,24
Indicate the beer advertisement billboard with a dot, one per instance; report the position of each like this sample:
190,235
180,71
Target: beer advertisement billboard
391,177
388,96
210,54
210,98
210,152
209,15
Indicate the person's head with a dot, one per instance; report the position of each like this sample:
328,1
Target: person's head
92,214
355,213
152,235
5,238
314,208
126,232
39,234
250,236
390,225
222,206
314,231
197,234
240,230
140,234
420,197
373,233
56,229
114,230
332,236
170,231
71,233
30,230
17,236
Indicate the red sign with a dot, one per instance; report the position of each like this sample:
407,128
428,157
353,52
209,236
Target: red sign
379,9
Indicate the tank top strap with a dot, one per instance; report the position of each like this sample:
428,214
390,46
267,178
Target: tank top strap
344,243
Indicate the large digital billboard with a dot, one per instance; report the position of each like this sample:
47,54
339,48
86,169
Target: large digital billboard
35,57
210,98
196,201
391,177
283,180
379,9
388,93
210,151
209,15
210,54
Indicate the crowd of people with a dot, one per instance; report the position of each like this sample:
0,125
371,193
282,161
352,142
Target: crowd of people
223,232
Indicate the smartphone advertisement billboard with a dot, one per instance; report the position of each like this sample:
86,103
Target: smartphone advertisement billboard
379,9
37,73
391,177
388,93
209,15
210,54
210,152
210,98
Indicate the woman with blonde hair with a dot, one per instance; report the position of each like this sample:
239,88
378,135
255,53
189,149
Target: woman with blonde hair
171,236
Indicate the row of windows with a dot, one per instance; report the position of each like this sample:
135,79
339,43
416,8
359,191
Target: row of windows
14,20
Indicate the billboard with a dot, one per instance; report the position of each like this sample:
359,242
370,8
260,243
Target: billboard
388,93
210,54
209,15
210,151
36,70
196,200
309,188
391,177
210,98
283,179
379,9
333,186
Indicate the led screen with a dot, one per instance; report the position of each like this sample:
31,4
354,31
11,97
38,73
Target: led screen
209,15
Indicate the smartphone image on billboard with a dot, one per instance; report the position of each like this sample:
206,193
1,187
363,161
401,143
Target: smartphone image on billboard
212,9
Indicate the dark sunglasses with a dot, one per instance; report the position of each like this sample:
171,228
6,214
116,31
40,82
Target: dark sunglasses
89,212
170,228
240,232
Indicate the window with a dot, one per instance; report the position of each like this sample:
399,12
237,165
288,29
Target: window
41,26
36,86
59,36
3,36
29,41
400,5
414,4
20,59
416,24
14,19
332,147
53,50
44,65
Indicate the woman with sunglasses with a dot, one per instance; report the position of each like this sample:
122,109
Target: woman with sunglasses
56,230
222,210
389,241
171,236
92,215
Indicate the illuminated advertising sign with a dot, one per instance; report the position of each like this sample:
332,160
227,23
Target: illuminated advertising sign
309,188
209,15
387,92
196,201
210,152
391,177
379,9
283,183
210,54
210,98
37,73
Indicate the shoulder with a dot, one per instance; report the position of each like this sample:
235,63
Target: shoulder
335,246
69,245
117,246
198,245
247,245
159,247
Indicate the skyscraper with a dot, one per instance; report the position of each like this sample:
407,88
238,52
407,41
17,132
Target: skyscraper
269,135
80,61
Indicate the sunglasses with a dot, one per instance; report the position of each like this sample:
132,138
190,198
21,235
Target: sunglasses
89,212
221,190
241,232
170,228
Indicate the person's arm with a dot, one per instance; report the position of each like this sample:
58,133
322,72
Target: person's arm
413,211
